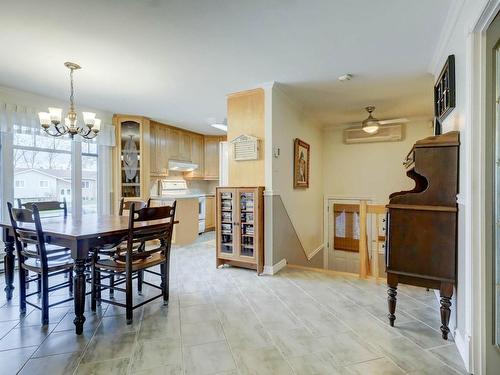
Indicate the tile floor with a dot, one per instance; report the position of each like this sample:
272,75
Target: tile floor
230,321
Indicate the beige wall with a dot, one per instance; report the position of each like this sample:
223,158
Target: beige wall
371,170
245,115
304,206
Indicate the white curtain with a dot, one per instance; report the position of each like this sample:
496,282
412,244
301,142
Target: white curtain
26,120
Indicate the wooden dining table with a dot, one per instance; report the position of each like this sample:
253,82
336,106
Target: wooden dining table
81,235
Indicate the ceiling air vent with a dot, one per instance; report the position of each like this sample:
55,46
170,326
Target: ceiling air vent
386,133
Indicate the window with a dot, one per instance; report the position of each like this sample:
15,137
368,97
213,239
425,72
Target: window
39,157
19,184
89,176
62,191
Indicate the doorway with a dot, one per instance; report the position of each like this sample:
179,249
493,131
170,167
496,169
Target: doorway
343,242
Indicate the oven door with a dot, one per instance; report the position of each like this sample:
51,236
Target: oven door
201,208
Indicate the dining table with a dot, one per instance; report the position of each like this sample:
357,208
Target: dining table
81,234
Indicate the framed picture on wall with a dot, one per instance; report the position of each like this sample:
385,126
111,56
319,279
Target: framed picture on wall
301,164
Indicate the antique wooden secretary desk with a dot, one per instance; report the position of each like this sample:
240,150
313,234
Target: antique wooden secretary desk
421,242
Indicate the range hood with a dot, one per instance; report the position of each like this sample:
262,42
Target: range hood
181,166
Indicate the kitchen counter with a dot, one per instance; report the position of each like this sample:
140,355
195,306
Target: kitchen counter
181,196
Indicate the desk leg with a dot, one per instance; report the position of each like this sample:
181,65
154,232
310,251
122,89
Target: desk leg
79,294
446,292
9,259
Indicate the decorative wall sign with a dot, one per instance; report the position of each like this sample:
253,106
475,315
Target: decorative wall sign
301,164
245,147
444,90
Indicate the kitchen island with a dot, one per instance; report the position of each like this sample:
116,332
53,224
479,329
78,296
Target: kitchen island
186,213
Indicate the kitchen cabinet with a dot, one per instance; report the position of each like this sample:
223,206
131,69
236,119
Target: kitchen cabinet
185,146
169,143
239,227
158,150
197,156
179,144
131,158
209,213
211,151
173,143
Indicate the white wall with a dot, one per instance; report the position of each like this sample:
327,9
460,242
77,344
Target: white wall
457,39
371,170
304,206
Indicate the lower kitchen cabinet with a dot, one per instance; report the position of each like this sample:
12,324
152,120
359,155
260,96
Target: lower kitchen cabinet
240,227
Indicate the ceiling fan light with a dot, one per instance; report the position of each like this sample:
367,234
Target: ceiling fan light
370,128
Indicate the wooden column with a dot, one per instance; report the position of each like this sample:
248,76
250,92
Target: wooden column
363,247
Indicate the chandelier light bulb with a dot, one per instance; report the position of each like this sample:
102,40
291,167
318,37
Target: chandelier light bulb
97,125
89,118
55,114
44,118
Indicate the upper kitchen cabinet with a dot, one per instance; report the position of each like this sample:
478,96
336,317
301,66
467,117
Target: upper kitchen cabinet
179,144
212,157
170,143
185,146
131,157
197,156
159,150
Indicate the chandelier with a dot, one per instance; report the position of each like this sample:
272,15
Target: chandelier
51,121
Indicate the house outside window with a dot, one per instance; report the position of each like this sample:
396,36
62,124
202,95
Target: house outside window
44,184
19,184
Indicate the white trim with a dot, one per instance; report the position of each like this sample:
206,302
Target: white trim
272,270
315,251
270,193
472,350
463,344
76,178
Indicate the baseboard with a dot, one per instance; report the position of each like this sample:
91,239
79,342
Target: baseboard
463,344
272,270
315,251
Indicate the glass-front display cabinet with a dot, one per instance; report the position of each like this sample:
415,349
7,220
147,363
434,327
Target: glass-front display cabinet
239,227
131,154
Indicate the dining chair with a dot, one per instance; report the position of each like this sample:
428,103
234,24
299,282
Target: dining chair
125,205
48,208
55,207
145,224
33,256
121,248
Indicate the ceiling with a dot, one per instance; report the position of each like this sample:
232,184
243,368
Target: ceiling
175,61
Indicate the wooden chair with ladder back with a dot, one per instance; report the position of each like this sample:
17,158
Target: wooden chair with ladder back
113,249
54,207
49,209
146,224
33,256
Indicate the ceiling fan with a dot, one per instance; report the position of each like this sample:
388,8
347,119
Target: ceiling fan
372,124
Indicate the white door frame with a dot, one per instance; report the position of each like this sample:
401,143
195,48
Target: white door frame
476,103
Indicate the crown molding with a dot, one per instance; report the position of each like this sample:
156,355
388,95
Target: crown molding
445,35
